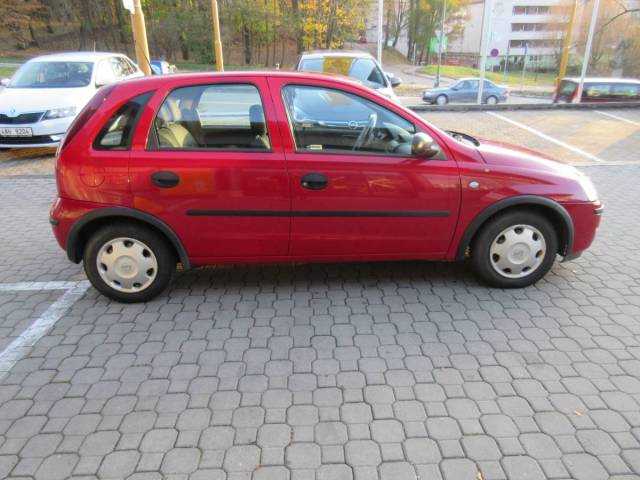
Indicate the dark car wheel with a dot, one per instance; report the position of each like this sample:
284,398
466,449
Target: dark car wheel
442,100
128,262
514,250
491,100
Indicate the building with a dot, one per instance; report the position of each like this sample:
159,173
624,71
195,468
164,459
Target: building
518,27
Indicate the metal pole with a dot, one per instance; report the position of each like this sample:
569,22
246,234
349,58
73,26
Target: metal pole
506,63
380,21
486,21
217,44
566,43
524,67
587,51
140,38
444,13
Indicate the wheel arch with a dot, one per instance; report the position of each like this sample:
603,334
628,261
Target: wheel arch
89,223
551,209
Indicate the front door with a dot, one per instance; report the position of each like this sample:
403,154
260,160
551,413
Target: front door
357,191
214,170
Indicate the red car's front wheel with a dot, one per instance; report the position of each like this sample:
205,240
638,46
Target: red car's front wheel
515,249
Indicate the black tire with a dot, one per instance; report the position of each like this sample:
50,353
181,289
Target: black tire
164,255
444,102
481,247
495,100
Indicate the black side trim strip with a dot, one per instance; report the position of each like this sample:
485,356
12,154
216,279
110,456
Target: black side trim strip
316,213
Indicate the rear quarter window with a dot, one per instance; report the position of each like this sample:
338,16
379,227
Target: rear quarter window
117,132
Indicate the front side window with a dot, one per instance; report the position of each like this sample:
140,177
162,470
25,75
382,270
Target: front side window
213,117
324,119
117,133
52,75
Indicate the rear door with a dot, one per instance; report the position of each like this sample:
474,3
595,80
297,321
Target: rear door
355,197
213,169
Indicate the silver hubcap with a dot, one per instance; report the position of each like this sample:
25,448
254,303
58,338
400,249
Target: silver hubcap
127,265
491,101
441,100
518,251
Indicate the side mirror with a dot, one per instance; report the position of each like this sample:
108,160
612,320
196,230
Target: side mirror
5,82
423,146
393,80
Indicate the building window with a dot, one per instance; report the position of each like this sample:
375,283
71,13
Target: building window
537,43
530,10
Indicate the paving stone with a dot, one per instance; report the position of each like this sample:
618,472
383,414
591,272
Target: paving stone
362,453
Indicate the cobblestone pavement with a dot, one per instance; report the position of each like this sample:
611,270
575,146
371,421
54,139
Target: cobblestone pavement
364,371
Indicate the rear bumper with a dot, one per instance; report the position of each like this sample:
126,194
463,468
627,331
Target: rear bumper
63,214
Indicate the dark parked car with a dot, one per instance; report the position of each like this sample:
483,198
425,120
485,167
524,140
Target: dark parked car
285,167
598,90
465,90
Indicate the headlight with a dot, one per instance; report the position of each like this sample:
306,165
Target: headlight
588,187
60,113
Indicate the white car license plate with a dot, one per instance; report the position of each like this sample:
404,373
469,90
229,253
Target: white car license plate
16,132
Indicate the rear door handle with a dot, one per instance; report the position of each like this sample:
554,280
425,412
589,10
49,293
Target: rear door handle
165,179
314,181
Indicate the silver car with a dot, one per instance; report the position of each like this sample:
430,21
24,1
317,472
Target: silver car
465,90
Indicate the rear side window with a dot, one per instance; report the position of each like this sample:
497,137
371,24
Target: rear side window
212,117
117,133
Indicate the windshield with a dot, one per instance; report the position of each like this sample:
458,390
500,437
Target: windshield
52,75
363,69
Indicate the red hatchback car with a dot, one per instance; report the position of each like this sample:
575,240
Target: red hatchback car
272,167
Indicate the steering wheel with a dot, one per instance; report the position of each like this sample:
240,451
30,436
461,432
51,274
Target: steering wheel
366,132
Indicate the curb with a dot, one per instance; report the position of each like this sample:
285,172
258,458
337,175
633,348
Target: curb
472,107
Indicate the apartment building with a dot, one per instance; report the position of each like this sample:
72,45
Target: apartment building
518,27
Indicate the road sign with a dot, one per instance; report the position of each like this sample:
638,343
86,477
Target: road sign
494,52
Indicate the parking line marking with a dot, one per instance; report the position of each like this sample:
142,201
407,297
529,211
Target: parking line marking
20,346
546,137
36,286
617,117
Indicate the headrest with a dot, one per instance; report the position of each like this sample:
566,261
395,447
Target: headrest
256,120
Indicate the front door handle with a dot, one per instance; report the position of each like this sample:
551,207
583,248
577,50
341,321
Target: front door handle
165,179
314,181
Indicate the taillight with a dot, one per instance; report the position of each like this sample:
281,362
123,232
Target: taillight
85,114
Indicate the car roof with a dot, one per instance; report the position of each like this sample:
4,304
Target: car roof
603,80
337,53
76,57
339,79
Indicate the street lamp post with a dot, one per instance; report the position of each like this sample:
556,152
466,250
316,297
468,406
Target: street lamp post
139,34
380,21
484,45
444,13
587,50
217,43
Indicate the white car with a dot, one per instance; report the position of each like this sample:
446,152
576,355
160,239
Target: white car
43,97
360,66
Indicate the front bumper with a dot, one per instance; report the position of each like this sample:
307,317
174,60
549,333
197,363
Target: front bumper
586,217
